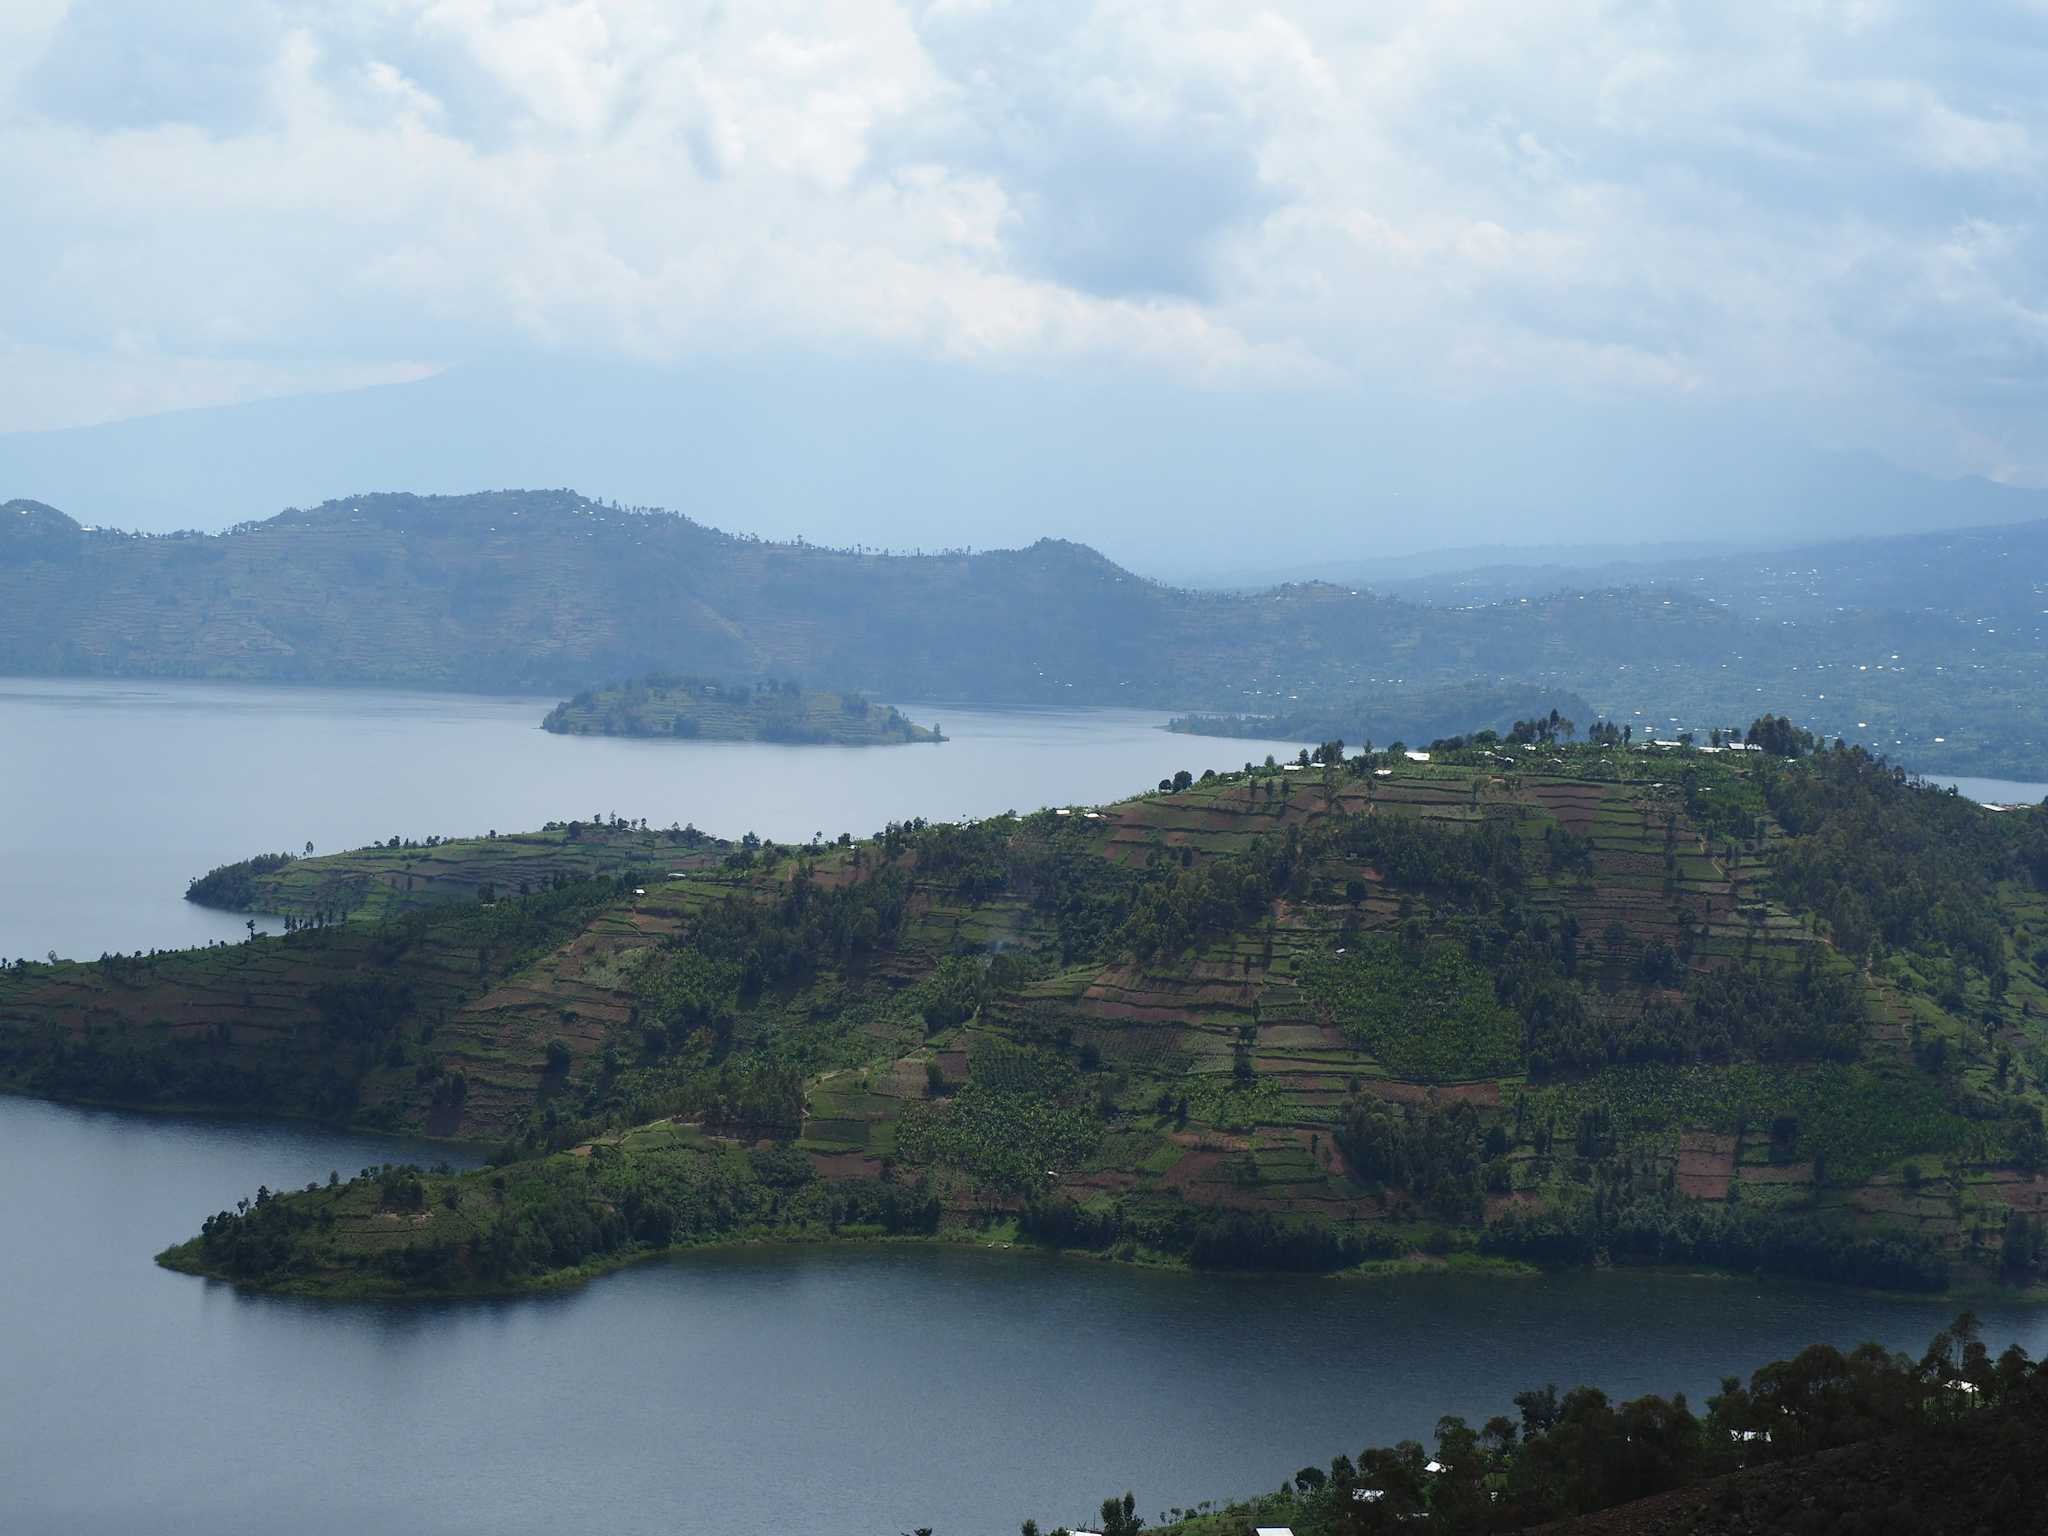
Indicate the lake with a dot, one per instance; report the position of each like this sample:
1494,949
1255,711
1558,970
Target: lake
752,1393
120,792
1994,791
760,1391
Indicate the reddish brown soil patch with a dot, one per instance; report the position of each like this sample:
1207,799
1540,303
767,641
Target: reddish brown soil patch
1196,1168
1706,1164
2025,1192
846,1165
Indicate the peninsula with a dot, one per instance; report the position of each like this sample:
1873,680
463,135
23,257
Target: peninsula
408,874
1540,1002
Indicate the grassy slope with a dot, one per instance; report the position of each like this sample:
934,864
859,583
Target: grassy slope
710,712
1063,1065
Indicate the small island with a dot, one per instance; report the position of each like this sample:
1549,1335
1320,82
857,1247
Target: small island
704,709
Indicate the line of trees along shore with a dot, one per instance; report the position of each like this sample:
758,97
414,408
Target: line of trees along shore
1865,1440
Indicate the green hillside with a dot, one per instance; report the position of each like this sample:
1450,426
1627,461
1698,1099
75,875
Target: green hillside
703,709
1551,1004
551,591
409,875
1558,1004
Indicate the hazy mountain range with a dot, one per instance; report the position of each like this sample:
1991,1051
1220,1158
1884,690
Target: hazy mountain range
1928,646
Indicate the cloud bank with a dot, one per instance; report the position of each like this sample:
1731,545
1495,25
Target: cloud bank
1828,211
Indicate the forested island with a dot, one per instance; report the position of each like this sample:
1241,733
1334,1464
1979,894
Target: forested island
1928,648
667,704
1865,1440
1546,1003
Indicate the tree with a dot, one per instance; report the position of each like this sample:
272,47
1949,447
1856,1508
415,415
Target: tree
1539,1410
1120,1517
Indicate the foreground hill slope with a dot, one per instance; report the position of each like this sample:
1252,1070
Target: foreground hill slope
551,591
1827,1442
1557,1005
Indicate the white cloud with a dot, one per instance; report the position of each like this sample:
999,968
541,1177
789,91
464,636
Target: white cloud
1831,207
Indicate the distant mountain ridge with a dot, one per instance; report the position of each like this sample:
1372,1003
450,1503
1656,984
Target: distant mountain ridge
552,590
1927,647
1411,717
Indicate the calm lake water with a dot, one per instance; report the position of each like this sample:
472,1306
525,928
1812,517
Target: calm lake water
118,793
1996,791
856,1390
860,1390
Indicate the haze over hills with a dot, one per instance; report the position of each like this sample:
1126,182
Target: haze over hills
551,591
1185,483
1994,569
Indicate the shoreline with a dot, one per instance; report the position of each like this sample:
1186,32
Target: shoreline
345,1285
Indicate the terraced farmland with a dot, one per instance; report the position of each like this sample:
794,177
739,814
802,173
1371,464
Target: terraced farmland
387,880
1530,1005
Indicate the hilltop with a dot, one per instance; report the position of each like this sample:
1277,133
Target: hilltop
1551,1003
704,709
552,591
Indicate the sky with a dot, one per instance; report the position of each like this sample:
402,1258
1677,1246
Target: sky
1482,223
